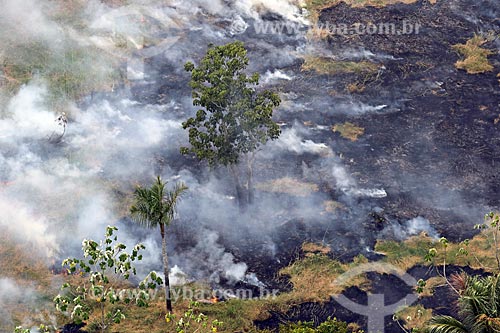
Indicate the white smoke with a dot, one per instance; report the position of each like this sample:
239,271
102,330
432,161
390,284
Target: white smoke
177,277
272,77
26,19
13,295
29,229
358,108
26,116
370,193
414,227
290,10
420,224
290,140
208,260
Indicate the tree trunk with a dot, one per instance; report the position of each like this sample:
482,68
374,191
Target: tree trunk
241,194
250,189
168,300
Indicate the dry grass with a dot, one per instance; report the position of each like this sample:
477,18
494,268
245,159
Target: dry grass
431,284
69,75
475,57
348,130
412,251
70,72
332,206
20,264
288,185
313,277
329,66
18,261
236,314
414,318
355,88
315,248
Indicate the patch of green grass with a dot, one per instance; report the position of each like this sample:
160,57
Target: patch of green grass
405,254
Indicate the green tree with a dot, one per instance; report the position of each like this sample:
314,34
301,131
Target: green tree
234,119
155,207
102,263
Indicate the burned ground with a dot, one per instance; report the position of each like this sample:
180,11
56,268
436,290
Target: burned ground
434,146
382,138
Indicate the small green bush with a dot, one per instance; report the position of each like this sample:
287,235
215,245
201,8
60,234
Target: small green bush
329,326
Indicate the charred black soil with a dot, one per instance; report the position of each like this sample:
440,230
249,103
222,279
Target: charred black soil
431,141
434,147
442,301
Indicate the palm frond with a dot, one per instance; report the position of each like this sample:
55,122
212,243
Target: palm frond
153,206
172,198
495,295
446,324
485,323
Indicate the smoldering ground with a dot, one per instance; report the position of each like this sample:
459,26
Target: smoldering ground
312,184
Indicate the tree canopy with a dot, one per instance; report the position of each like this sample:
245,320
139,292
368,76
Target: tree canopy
156,205
235,118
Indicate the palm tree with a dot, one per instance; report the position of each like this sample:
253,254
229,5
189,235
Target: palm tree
478,306
155,207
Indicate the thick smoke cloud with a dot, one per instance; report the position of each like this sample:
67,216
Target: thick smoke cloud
13,295
57,189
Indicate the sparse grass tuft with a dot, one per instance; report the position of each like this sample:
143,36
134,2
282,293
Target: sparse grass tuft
475,57
405,254
349,130
332,206
323,66
315,248
414,318
431,284
313,277
20,264
355,88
